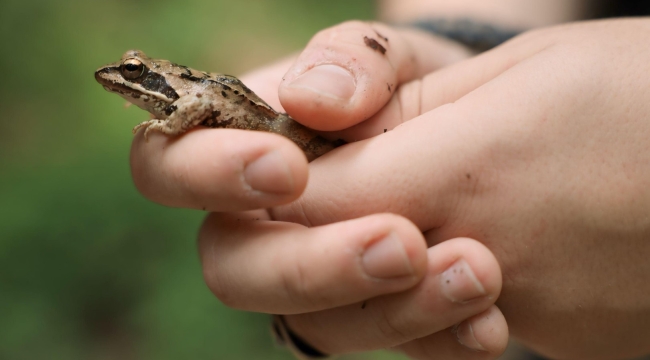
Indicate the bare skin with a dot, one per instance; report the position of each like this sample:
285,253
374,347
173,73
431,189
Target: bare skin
537,149
541,153
260,170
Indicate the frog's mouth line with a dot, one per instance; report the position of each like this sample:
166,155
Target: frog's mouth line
112,81
131,94
119,88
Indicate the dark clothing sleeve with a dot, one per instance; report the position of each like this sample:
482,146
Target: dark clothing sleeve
618,8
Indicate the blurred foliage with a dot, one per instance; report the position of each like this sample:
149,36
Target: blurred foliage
88,268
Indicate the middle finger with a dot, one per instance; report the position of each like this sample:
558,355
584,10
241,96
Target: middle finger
285,268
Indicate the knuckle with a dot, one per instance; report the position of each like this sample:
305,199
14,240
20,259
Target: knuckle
299,287
305,285
388,326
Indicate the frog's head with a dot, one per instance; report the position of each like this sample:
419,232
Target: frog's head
140,80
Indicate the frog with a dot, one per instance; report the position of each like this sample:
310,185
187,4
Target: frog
180,98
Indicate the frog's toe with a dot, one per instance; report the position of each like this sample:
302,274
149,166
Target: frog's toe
144,124
147,131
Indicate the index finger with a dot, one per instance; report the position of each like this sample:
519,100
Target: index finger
218,169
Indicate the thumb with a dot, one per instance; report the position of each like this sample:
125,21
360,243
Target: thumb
445,86
397,172
348,72
423,168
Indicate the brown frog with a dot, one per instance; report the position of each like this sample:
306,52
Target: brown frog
180,98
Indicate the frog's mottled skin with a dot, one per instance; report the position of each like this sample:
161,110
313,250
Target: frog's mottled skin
181,98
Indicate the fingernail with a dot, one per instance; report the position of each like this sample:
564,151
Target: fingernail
459,284
465,336
386,258
328,80
270,174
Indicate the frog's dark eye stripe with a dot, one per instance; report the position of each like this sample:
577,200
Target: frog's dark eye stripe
132,69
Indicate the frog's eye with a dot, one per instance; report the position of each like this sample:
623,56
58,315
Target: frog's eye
132,68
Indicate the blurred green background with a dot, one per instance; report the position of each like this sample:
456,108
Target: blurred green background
89,269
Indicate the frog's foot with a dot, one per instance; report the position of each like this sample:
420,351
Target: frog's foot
141,125
154,125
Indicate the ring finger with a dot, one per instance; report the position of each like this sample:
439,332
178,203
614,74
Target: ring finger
463,279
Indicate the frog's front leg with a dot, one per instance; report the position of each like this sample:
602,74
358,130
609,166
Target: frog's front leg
184,114
164,126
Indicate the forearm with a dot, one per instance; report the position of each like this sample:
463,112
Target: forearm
507,13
